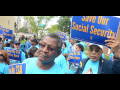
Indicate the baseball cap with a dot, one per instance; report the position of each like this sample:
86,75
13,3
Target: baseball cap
17,41
100,46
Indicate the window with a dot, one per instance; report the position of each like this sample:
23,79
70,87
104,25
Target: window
8,22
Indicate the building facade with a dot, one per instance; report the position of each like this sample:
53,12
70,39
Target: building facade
7,22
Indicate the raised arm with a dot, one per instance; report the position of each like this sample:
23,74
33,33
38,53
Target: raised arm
2,46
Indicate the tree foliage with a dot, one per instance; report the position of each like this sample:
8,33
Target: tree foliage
35,23
23,29
53,29
64,23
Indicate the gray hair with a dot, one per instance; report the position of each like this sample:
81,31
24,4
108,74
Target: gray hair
53,35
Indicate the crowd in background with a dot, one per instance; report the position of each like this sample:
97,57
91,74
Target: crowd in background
30,50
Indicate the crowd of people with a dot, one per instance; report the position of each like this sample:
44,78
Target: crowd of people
50,55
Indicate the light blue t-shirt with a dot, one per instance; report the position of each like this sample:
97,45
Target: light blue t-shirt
27,45
67,43
33,69
37,46
61,62
111,55
65,51
93,65
3,68
71,48
103,55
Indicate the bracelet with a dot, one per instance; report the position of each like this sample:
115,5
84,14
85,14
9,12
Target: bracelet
116,58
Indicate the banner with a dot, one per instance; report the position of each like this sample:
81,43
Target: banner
75,57
94,29
1,31
17,68
14,54
61,34
7,33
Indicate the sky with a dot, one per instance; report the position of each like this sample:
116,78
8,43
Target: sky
52,22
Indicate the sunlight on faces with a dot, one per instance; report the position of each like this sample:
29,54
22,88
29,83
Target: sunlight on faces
44,53
95,52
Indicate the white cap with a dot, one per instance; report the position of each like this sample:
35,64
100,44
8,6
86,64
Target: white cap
100,46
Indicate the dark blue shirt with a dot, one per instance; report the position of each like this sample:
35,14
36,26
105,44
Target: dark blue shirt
27,45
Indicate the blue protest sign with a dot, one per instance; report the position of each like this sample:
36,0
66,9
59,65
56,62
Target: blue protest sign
94,29
1,31
75,57
19,68
14,54
7,33
61,34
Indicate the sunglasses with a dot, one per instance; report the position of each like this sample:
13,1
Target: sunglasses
1,54
96,50
48,48
17,44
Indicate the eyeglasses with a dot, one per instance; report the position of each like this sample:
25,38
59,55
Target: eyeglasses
1,54
17,44
96,50
48,48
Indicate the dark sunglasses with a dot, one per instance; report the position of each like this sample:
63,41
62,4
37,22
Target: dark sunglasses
96,50
43,46
1,54
17,44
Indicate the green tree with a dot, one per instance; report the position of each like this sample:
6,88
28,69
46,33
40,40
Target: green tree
53,29
23,29
35,23
64,23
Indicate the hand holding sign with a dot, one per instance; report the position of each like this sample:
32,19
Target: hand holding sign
114,44
96,28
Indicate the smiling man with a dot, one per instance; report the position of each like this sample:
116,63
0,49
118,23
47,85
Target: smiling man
95,64
50,48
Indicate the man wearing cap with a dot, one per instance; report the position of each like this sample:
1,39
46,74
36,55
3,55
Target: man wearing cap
17,47
95,64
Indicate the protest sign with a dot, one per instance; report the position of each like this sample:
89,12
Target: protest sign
75,57
19,68
94,29
14,54
61,34
7,33
1,31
